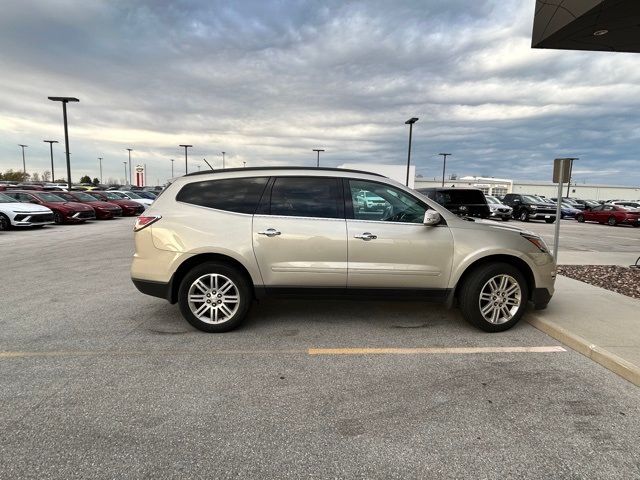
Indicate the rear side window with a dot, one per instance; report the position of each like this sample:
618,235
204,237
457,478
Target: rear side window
317,197
239,195
461,196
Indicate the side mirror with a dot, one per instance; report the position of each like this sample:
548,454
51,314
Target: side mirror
431,217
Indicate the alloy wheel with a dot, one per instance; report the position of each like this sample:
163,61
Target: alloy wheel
213,298
612,221
500,299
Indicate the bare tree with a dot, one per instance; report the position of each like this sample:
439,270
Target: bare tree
46,175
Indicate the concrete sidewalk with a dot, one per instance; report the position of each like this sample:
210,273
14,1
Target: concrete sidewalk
603,325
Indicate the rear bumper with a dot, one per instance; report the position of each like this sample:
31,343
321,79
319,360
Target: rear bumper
154,289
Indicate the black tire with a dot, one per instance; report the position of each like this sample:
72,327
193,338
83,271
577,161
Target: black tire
524,216
241,283
580,218
57,218
612,221
549,220
5,223
469,295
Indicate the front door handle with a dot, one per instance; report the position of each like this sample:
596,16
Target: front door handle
366,236
269,232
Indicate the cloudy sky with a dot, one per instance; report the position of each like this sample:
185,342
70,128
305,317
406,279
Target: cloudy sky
268,81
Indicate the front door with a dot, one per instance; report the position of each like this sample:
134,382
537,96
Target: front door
299,234
389,246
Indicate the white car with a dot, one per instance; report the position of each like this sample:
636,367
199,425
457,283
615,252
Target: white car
19,214
127,195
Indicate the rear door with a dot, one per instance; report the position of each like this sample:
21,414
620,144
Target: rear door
299,233
389,246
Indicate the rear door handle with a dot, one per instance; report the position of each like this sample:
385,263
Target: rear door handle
366,236
269,232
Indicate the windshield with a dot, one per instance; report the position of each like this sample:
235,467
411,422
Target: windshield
532,199
493,200
7,199
84,197
118,195
133,195
50,197
112,196
147,195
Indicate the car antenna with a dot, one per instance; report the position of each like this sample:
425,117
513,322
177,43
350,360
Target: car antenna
205,161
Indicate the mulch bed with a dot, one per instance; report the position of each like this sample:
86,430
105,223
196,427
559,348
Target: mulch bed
618,279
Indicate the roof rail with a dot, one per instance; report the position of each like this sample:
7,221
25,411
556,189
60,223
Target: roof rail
250,169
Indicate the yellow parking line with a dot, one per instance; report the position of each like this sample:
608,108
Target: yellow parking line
432,350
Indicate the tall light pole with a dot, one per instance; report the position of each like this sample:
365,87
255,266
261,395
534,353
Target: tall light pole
100,160
64,101
172,160
410,122
444,164
244,164
24,163
318,150
223,159
129,150
51,142
186,168
570,172
125,170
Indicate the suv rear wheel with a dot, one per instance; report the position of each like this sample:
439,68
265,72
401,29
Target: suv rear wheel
524,216
494,297
214,297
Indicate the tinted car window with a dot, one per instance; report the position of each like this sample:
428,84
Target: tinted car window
459,196
239,195
383,203
306,197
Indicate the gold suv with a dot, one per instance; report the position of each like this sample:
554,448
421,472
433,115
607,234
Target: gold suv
215,241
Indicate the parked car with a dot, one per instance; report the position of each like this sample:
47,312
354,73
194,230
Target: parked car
586,203
626,203
104,210
530,207
63,210
568,209
149,195
611,214
465,202
129,207
216,240
129,195
498,209
570,202
18,214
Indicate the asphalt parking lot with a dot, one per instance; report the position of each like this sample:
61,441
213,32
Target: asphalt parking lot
99,381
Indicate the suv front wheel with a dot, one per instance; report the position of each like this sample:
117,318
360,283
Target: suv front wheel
214,297
494,297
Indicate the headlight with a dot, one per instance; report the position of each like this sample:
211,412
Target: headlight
537,241
533,207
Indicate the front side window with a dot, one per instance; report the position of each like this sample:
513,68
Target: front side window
384,203
240,195
316,197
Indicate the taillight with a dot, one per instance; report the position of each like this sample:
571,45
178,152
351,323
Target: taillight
145,221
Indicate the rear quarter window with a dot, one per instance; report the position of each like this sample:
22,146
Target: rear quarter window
240,195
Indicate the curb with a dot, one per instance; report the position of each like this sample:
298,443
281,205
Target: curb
608,360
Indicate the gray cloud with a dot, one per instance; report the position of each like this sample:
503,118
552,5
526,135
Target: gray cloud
267,81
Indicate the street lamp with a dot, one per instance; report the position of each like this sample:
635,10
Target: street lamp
223,159
100,160
410,122
444,164
51,142
186,168
172,160
318,150
125,170
64,101
129,150
24,164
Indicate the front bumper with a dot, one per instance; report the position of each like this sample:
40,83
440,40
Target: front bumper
541,216
32,220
